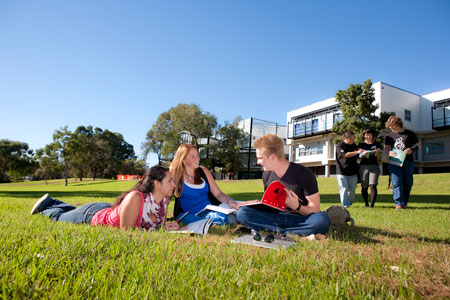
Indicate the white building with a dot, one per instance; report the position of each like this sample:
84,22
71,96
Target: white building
310,139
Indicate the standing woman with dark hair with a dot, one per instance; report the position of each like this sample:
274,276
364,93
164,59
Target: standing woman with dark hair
195,188
369,169
401,139
144,206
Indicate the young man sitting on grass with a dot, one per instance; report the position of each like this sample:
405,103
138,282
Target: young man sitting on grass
303,215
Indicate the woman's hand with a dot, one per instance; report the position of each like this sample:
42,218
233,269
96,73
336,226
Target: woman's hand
171,226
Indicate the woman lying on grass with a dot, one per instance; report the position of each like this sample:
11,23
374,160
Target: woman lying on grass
144,206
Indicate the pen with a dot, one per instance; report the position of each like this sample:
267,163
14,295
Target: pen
180,218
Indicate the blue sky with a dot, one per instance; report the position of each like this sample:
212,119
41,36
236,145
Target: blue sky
117,65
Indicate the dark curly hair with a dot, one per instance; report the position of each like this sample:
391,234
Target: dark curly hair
147,183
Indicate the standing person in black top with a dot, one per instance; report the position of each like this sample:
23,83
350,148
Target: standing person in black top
401,139
369,169
347,168
303,215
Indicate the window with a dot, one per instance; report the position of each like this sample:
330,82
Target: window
434,148
299,129
308,127
310,150
315,125
337,117
407,115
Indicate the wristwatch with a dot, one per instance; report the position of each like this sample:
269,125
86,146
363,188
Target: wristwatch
298,207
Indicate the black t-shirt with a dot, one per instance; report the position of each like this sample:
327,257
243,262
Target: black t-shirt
297,178
372,159
346,166
402,141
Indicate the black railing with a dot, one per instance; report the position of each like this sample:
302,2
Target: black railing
440,117
307,129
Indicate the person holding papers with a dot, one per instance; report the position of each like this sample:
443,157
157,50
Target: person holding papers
347,168
369,169
195,189
143,207
302,215
400,144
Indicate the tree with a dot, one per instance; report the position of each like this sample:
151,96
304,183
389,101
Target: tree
90,151
49,164
60,144
165,135
226,153
16,159
116,152
358,109
133,166
156,136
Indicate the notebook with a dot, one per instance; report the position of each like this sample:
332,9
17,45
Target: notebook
274,197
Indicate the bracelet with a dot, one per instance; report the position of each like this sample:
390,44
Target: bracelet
228,201
414,148
298,207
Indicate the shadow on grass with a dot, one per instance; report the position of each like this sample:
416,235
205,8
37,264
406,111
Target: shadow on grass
367,235
59,194
84,183
386,201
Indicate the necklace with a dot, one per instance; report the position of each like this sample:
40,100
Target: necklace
189,176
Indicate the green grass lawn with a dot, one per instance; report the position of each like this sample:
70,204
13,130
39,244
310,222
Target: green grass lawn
388,255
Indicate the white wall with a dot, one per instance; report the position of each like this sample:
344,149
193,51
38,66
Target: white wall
427,102
396,100
309,108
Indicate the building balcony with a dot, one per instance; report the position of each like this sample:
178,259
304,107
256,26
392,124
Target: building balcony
306,130
440,116
314,123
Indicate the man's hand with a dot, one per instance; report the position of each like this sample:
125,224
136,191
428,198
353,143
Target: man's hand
292,200
408,151
233,204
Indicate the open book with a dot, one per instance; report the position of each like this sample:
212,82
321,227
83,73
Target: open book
221,209
398,159
199,227
274,197
366,153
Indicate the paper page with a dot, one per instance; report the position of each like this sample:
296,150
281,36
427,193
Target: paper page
199,227
398,159
220,209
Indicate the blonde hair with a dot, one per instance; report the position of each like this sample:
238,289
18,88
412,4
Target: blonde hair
271,144
393,120
177,168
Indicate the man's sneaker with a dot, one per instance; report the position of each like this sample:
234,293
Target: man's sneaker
405,206
398,207
40,204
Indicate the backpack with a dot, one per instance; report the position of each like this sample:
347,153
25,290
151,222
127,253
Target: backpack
339,216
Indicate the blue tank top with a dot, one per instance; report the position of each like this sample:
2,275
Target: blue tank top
194,198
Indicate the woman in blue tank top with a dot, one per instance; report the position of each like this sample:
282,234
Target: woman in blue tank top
195,188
